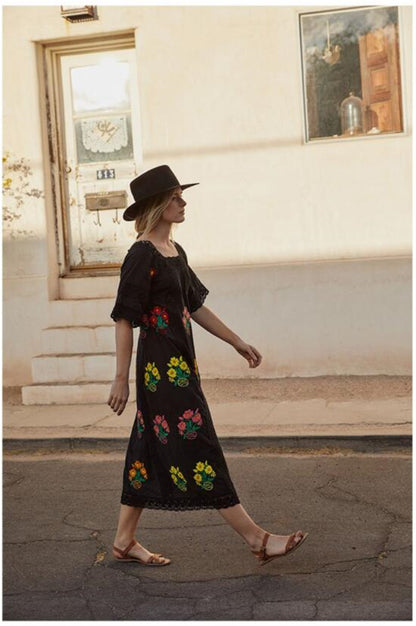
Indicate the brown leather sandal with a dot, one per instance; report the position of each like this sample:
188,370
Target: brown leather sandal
154,559
265,558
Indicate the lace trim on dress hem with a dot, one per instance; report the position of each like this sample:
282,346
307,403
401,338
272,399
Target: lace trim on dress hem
222,502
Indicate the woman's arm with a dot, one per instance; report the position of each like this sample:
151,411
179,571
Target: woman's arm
212,323
124,347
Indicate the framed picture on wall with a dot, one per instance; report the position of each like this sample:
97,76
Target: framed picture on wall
351,72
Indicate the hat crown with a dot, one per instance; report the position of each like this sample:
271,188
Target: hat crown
156,180
152,182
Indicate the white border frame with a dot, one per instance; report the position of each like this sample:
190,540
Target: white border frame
305,132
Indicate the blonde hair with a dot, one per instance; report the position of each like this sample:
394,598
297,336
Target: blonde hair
151,211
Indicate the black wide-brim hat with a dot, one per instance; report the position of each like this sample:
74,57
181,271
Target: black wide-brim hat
150,183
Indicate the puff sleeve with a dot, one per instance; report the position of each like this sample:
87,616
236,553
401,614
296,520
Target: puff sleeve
134,287
196,290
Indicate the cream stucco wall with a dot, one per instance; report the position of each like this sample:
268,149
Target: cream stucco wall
221,102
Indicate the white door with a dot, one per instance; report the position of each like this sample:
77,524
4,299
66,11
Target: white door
102,148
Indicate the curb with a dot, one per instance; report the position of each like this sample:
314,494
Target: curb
327,444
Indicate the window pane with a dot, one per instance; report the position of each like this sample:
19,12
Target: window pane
101,86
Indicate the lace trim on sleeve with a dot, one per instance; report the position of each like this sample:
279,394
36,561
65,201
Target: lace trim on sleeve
135,284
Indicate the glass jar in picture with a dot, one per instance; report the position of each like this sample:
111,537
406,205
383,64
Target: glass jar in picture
352,115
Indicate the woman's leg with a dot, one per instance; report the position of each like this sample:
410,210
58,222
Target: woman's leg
238,518
127,524
126,530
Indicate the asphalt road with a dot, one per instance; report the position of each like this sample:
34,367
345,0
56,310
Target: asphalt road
60,514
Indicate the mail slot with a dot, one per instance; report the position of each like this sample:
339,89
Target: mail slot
104,200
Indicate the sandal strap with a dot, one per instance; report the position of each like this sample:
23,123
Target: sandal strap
126,550
291,537
263,547
155,558
262,552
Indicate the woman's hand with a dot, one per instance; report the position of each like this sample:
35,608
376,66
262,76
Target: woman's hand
211,322
249,352
119,395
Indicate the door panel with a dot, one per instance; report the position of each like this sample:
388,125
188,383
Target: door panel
102,149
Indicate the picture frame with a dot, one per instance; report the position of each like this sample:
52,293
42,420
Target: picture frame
351,73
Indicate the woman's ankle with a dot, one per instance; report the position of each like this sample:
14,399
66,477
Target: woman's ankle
122,541
255,537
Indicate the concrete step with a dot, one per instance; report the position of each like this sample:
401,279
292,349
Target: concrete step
55,368
78,346
94,339
89,287
71,393
91,312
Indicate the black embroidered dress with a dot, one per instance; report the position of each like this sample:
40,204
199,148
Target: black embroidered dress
174,459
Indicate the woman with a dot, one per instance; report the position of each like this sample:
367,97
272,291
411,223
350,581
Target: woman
174,460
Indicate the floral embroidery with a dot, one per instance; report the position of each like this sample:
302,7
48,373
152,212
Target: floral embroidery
159,319
137,474
178,478
178,372
186,316
196,370
151,376
161,428
189,423
139,423
204,475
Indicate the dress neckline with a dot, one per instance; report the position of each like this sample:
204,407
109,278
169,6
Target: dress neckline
173,256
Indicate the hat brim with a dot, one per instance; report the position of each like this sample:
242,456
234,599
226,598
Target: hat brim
132,211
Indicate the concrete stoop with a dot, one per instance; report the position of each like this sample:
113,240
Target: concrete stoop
78,360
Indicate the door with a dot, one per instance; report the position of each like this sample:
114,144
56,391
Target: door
101,153
380,79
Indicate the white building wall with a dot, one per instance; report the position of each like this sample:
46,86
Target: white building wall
221,103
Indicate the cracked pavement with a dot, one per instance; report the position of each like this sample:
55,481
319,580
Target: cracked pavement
61,512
